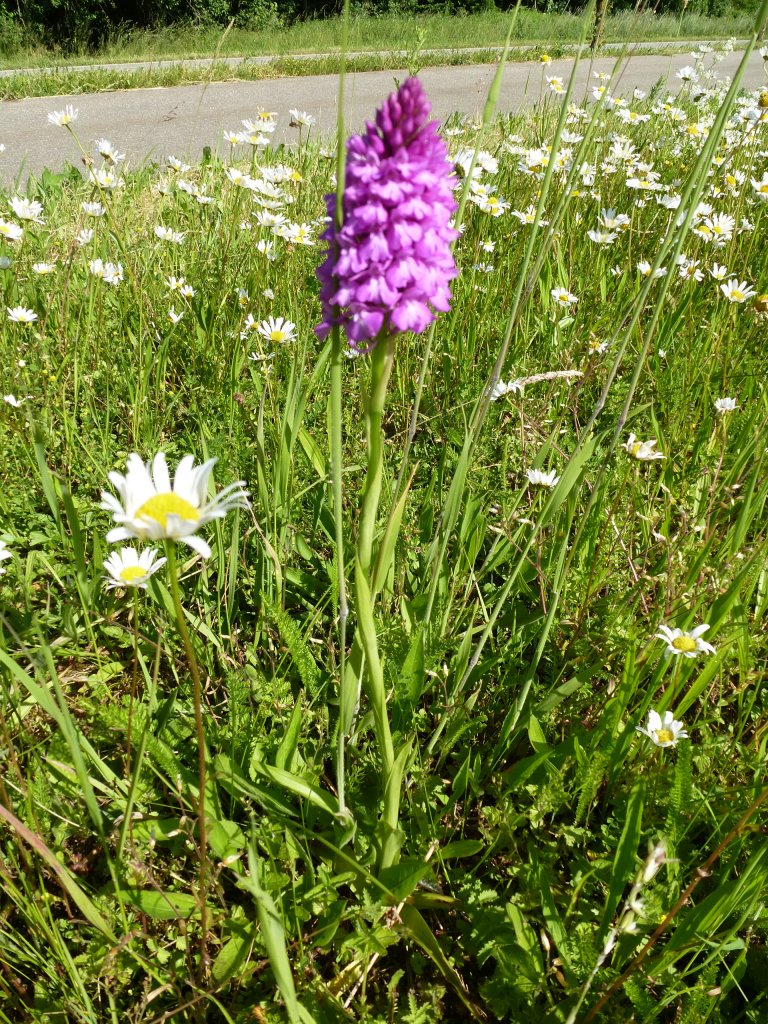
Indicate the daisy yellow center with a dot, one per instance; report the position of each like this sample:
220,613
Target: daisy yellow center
160,506
684,644
635,449
132,573
278,336
737,293
664,736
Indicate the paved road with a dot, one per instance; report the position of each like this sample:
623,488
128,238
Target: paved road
262,59
152,123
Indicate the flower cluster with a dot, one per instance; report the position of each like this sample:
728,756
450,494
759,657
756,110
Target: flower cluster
389,266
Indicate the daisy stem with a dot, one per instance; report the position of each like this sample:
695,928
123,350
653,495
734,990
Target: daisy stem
173,575
134,683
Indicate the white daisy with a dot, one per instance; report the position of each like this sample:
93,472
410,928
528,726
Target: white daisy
644,451
689,644
64,117
279,330
725,405
301,119
541,479
150,507
737,291
665,732
13,232
128,568
21,315
563,297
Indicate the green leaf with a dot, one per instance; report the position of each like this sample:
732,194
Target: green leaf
272,932
401,879
625,861
234,952
289,742
411,674
226,839
462,848
160,906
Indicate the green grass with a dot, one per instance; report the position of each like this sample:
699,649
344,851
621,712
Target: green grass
493,870
61,81
385,33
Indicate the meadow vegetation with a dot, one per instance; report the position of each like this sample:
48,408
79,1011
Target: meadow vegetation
462,716
377,34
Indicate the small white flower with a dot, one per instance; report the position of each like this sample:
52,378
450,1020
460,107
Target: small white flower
21,315
602,237
718,272
563,297
644,451
687,74
725,405
665,732
93,209
541,479
279,330
301,119
44,268
12,232
27,209
173,316
108,152
737,291
64,117
104,177
168,235
644,268
12,400
128,568
689,644
177,165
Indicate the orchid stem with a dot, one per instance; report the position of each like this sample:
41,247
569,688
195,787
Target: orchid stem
382,360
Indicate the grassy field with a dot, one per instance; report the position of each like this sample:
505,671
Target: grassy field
384,33
463,716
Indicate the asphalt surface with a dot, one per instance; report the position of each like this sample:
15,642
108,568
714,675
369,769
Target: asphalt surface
149,124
